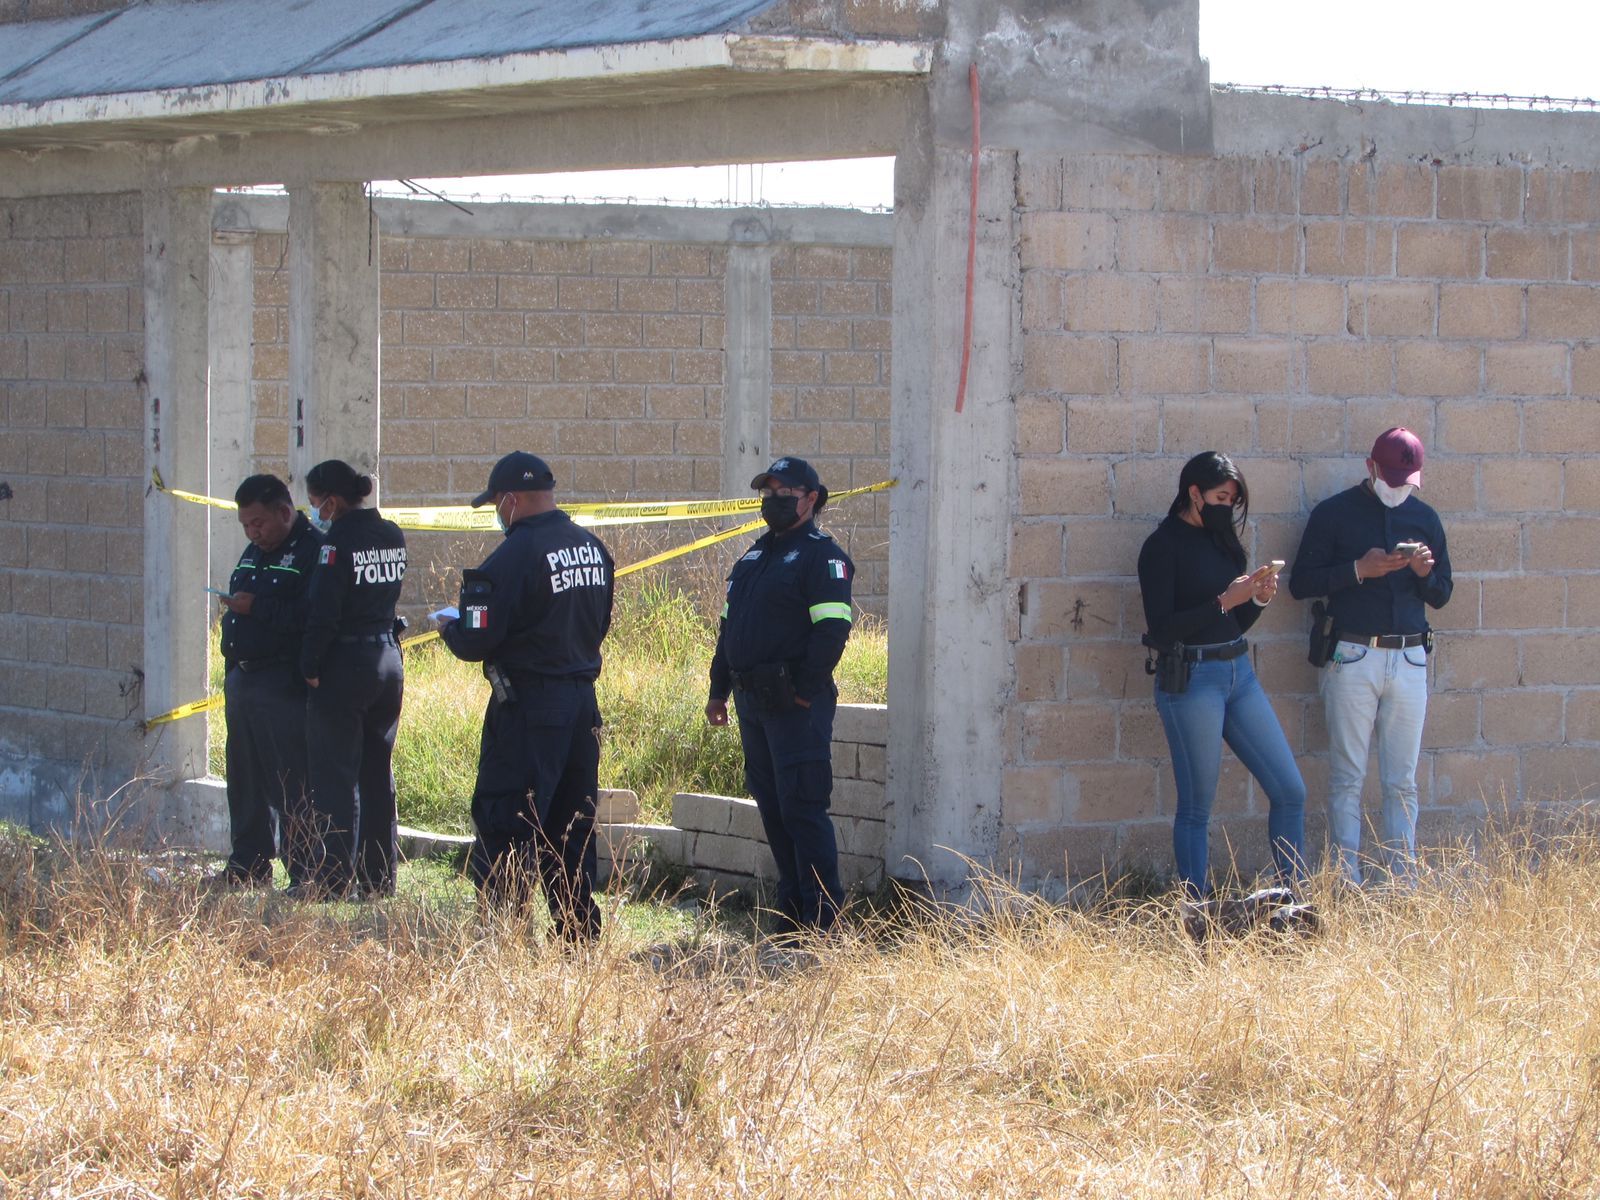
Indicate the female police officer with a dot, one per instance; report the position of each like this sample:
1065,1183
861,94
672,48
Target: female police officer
1197,606
351,662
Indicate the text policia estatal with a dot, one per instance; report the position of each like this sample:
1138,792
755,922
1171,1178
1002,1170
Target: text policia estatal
576,566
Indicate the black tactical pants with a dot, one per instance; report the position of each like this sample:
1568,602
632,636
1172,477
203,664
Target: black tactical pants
534,803
265,707
351,722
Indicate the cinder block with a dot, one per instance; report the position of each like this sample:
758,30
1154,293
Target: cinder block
1563,311
1321,187
720,852
466,291
1561,196
843,758
1255,247
1039,669
1390,189
1064,363
1202,305
859,836
1452,720
1105,302
1526,254
1162,242
1560,658
1434,368
1038,180
1120,424
1349,248
1520,485
1054,486
1478,193
1560,773
1104,792
536,293
1253,366
1299,306
1190,425
698,812
858,798
425,254
1390,308
1348,368
1526,369
1563,544
616,806
744,820
1582,716
1204,185
1440,251
863,723
1067,241
871,763
1480,310
625,839
1163,366
1110,182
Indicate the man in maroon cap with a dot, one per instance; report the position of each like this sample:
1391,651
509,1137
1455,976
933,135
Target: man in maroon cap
1378,554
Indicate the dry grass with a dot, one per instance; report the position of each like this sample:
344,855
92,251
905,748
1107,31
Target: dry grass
157,1042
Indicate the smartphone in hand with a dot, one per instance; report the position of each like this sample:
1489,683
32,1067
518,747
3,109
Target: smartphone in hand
1409,549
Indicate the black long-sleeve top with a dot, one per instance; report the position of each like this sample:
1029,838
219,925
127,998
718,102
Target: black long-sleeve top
789,602
356,585
541,603
1182,571
1343,528
279,579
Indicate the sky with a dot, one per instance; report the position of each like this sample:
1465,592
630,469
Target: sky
1530,48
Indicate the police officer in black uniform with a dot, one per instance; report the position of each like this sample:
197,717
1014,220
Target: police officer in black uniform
263,620
783,630
534,614
351,660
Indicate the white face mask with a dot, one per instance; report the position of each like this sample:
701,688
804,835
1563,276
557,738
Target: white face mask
1393,497
319,522
500,520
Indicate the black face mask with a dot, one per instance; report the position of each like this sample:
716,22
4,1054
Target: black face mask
780,512
1217,519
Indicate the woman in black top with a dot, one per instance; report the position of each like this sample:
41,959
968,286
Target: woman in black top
351,662
1198,603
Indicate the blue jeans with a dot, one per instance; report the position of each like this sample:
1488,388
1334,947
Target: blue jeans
1384,692
1225,703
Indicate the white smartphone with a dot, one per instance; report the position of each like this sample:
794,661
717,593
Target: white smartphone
1408,548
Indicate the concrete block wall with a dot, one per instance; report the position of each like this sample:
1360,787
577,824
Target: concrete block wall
607,358
71,451
720,838
1286,309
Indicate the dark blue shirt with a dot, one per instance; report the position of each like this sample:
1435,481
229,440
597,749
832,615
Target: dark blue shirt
280,580
1182,572
1343,528
541,603
356,585
788,602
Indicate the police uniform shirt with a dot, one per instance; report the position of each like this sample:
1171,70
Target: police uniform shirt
278,579
356,585
789,602
540,603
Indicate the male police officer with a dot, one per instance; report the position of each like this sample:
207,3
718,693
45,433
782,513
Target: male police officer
535,614
1378,554
263,620
783,630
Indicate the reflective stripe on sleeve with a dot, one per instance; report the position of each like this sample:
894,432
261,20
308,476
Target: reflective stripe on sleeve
724,612
830,612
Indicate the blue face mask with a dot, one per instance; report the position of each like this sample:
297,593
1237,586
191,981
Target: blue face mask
319,522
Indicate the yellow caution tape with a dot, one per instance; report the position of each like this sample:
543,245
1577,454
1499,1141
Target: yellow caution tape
655,560
460,518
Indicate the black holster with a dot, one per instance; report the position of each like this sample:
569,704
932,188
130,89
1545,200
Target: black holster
1168,665
769,685
1323,636
499,684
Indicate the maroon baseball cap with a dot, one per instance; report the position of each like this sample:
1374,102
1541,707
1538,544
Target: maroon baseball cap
1398,456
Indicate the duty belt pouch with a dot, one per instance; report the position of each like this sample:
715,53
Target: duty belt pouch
499,684
1323,638
1168,665
770,686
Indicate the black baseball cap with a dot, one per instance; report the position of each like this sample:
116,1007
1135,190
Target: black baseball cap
789,472
518,471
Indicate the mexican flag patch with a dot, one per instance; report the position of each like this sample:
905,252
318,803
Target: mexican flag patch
325,555
837,569
477,617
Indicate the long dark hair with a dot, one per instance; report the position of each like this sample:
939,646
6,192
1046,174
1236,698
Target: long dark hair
1210,469
335,477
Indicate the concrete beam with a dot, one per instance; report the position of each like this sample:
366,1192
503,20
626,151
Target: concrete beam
177,272
848,121
333,329
587,222
747,387
230,349
950,674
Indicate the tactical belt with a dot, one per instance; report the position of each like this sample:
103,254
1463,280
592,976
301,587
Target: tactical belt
1386,641
1220,653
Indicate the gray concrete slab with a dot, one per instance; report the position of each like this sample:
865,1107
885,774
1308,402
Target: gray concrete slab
443,30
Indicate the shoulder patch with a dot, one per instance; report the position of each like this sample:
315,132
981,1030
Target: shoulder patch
751,556
325,555
817,535
838,569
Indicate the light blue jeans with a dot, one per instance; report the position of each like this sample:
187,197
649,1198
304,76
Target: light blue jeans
1367,691
1225,703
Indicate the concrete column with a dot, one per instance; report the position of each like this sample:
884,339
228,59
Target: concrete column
177,271
747,394
950,675
232,415
333,329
